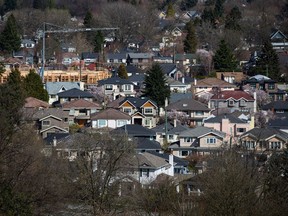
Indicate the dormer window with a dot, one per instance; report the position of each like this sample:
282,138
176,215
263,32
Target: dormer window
108,87
271,86
231,102
242,102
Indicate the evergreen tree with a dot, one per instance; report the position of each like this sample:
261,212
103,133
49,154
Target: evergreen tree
219,8
88,19
190,42
233,18
156,86
12,98
2,68
122,72
224,59
88,22
34,87
170,10
208,16
268,62
187,4
10,5
98,42
10,38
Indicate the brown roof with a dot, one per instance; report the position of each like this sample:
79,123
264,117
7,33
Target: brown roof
81,103
110,113
32,102
212,82
237,95
116,103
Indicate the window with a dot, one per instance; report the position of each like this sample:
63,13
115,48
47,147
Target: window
121,123
52,96
187,139
108,87
144,172
102,123
231,102
46,123
184,153
65,119
199,113
275,145
242,103
127,87
249,144
211,140
170,137
279,97
127,110
241,130
271,86
148,111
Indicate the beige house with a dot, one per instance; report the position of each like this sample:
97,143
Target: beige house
211,84
229,124
263,140
199,140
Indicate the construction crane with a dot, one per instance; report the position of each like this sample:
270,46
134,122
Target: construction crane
42,33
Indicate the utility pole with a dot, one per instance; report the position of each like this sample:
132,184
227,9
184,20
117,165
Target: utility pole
63,30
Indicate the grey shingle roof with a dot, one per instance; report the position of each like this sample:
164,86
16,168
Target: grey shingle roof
150,160
218,119
178,129
147,144
177,160
178,96
279,105
54,87
114,81
279,123
75,93
161,128
135,130
264,133
168,67
187,104
200,131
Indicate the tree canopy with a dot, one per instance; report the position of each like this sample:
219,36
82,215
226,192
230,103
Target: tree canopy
10,38
224,59
122,72
190,42
34,87
156,86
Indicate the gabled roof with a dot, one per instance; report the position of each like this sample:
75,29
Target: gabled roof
235,95
161,128
178,129
279,123
278,35
213,82
110,114
179,96
55,87
114,81
265,133
137,102
54,126
42,113
167,68
134,70
89,55
80,103
177,161
183,57
140,55
136,130
147,144
32,102
219,118
187,104
277,105
116,55
149,160
75,93
201,131
173,82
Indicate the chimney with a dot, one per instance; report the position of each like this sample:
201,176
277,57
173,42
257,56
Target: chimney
54,141
175,122
183,80
195,81
171,162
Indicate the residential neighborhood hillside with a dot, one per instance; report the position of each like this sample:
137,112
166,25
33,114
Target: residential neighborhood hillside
140,107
